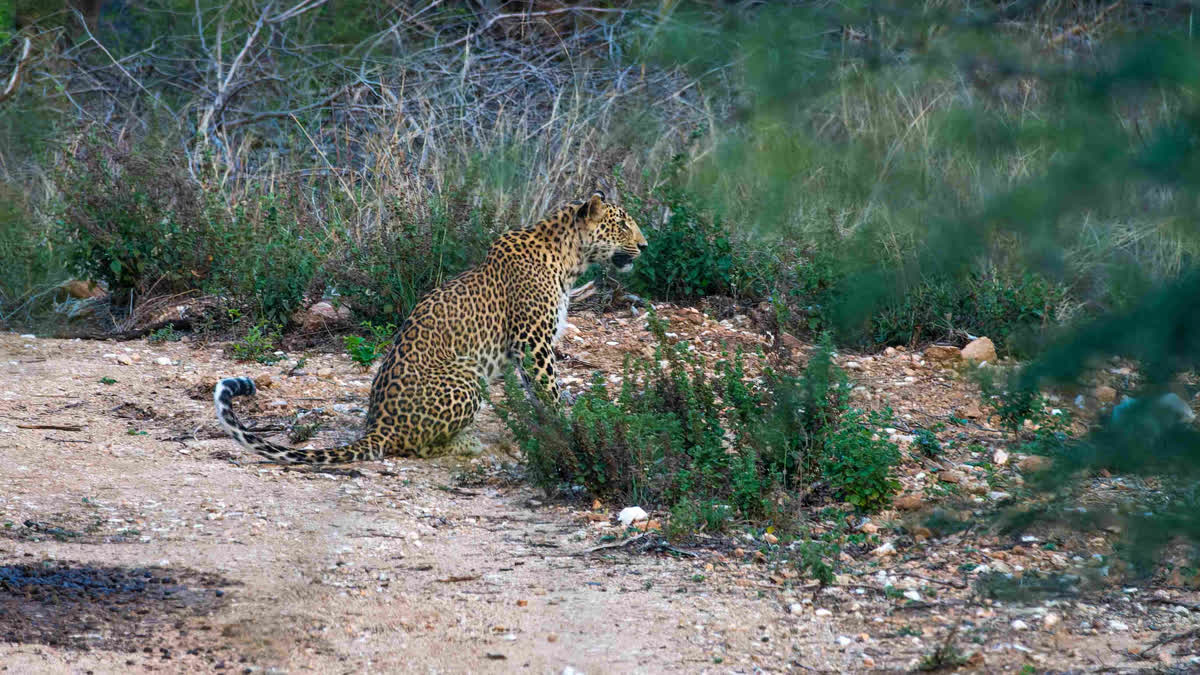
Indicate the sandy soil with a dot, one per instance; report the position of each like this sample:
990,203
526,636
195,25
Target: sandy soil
443,566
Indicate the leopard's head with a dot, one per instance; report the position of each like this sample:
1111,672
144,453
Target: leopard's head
609,233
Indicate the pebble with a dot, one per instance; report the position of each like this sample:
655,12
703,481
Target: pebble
1050,621
632,514
28,336
124,359
915,596
823,612
885,550
844,641
1019,625
1118,625
950,476
1000,458
795,608
163,361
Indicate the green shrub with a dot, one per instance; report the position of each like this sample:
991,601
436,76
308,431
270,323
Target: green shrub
131,219
689,256
29,260
704,443
384,275
264,255
857,465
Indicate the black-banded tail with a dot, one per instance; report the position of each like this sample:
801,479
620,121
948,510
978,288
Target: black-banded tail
366,448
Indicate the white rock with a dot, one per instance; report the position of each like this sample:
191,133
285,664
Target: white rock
823,612
913,595
28,336
998,496
1118,625
795,608
1019,625
1000,458
844,641
632,514
886,549
1050,621
163,361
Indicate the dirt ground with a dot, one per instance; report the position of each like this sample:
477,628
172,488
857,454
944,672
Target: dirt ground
135,537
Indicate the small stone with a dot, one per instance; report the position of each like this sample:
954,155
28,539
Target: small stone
943,354
909,502
868,662
853,365
998,496
552,637
795,608
844,641
890,351
1033,464
1050,621
324,372
632,514
124,359
885,550
1116,624
1019,625
82,289
912,595
163,361
869,528
980,351
1104,394
951,477
1000,458
770,538
263,381
322,315
823,612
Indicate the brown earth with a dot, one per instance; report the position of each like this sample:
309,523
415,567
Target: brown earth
137,538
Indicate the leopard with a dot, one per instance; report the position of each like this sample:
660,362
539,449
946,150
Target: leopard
508,311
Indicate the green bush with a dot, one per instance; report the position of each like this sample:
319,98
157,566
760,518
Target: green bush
131,219
858,465
29,261
263,255
704,444
383,276
689,256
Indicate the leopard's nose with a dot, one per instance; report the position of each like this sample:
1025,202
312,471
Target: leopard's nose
642,246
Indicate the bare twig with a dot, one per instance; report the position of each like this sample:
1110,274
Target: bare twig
1195,632
223,87
14,81
55,427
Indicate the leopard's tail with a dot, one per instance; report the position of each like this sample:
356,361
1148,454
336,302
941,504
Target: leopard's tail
365,448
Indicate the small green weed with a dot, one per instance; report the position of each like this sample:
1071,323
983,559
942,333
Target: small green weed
164,334
259,345
364,350
107,380
927,442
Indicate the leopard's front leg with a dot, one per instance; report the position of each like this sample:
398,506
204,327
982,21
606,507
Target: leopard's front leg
536,364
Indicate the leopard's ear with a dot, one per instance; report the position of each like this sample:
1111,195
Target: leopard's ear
593,208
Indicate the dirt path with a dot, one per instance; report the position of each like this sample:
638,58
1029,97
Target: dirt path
144,540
